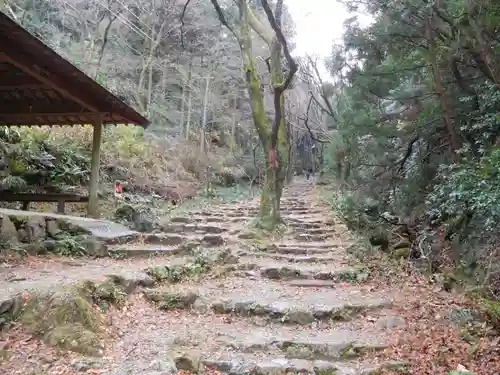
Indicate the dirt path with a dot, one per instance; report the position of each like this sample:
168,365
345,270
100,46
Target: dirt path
292,306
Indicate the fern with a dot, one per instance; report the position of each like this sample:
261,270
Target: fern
14,183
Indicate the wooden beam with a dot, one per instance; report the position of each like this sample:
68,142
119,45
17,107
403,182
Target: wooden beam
42,197
42,114
32,57
11,104
93,208
27,65
40,119
24,86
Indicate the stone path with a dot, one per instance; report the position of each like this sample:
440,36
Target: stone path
293,306
286,310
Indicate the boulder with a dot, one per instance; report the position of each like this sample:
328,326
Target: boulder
52,228
134,218
35,227
22,235
8,231
94,247
190,361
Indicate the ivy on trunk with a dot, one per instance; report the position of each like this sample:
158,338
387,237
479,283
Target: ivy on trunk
273,136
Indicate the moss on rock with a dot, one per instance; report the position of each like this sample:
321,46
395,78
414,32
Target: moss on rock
69,318
168,301
76,338
66,319
46,311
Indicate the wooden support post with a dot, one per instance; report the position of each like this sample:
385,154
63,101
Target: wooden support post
60,207
93,208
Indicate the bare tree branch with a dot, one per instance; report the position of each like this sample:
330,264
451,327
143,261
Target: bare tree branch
292,64
314,66
408,153
275,23
222,18
261,30
183,14
306,123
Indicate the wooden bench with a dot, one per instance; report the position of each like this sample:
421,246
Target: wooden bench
27,198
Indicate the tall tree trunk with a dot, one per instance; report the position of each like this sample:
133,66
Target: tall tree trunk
292,150
183,106
205,110
112,18
272,136
233,122
321,159
445,111
269,210
277,150
190,97
144,90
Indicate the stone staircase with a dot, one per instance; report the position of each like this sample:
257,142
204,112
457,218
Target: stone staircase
284,309
291,306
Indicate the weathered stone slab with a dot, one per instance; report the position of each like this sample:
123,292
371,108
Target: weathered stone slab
102,229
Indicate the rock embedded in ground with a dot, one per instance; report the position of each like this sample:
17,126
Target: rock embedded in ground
212,240
36,228
163,366
391,322
52,228
86,364
94,247
8,231
163,239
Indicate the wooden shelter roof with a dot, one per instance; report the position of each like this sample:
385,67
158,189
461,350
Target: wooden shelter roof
39,87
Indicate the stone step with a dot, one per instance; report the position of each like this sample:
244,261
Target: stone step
301,225
211,213
275,270
185,220
337,341
314,232
192,228
274,301
214,220
46,275
307,283
241,219
303,250
208,240
309,245
301,211
291,258
145,250
242,364
295,204
240,214
234,345
303,237
298,212
302,221
250,344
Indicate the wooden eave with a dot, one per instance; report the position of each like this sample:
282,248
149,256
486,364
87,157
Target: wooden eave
39,87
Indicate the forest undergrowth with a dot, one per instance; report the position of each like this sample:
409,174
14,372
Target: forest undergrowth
58,159
450,325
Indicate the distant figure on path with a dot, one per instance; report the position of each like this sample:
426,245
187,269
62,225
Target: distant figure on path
309,172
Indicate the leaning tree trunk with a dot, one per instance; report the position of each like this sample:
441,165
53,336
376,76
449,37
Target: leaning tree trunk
269,213
272,136
277,150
